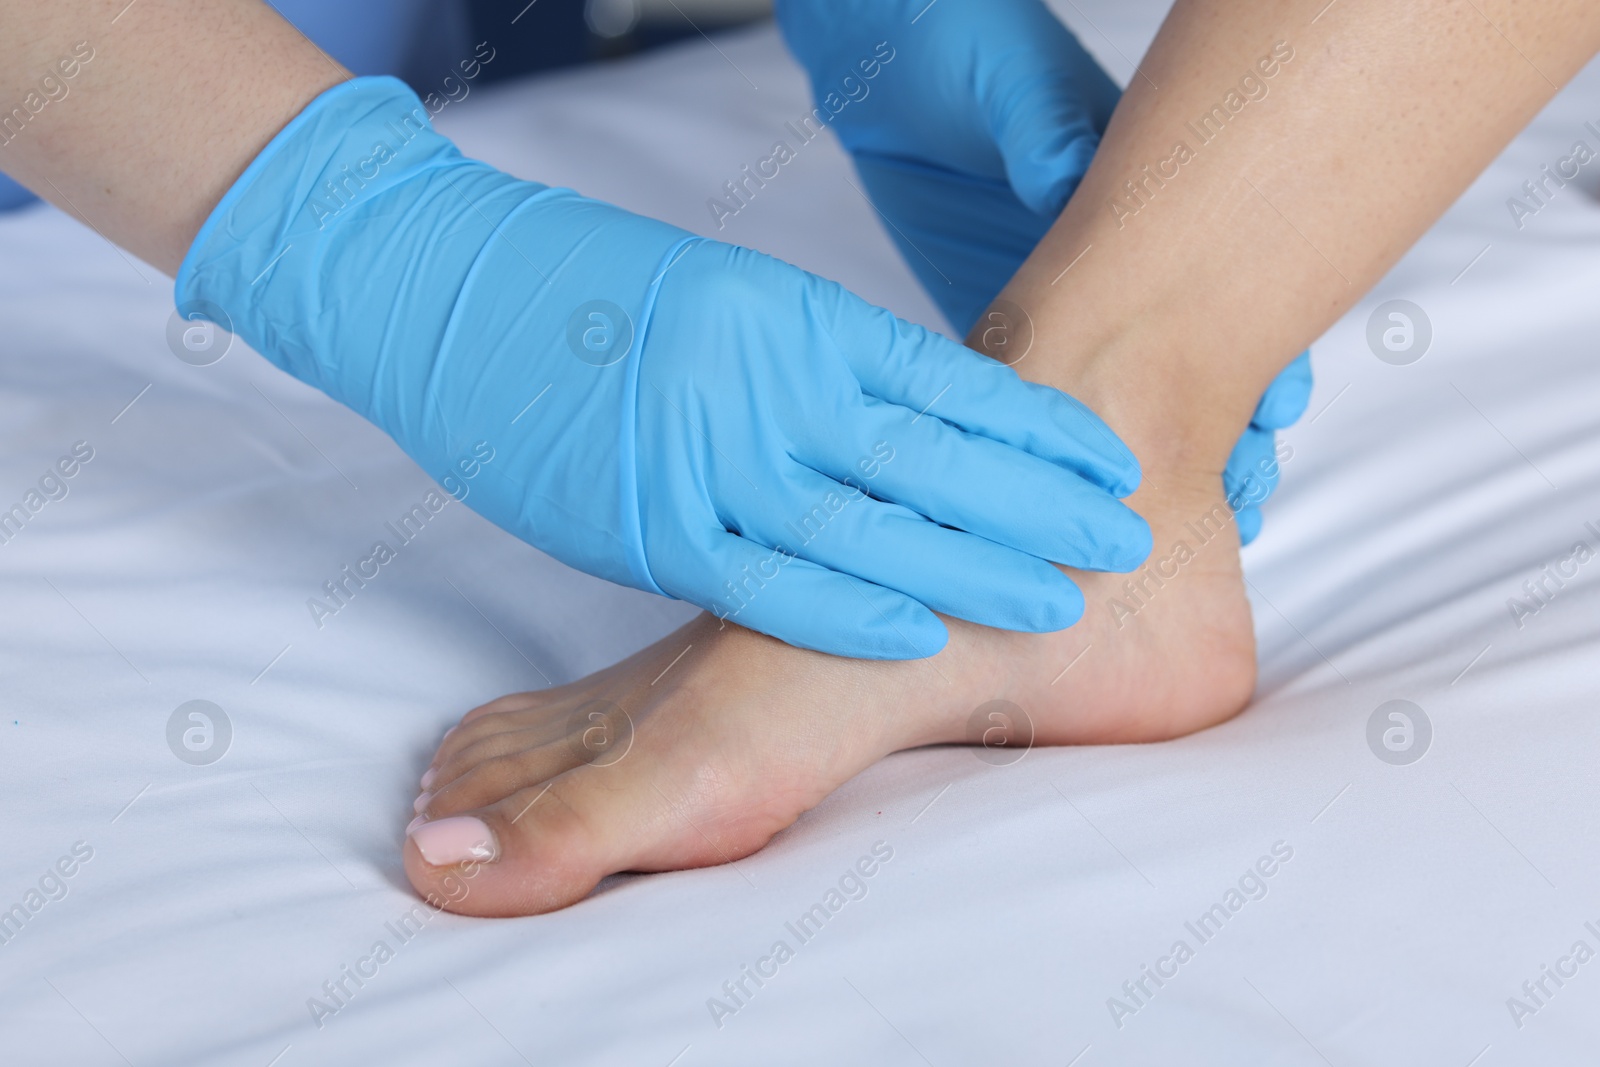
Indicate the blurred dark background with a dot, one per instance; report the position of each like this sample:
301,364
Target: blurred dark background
427,41
558,33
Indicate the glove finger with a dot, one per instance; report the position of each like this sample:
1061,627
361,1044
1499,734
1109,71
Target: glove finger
915,368
1252,470
840,527
1287,397
1046,114
810,606
983,487
1248,522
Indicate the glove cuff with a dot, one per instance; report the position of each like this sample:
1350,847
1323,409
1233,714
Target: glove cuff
349,145
436,296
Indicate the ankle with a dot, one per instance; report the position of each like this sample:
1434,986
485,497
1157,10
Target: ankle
1144,402
1153,385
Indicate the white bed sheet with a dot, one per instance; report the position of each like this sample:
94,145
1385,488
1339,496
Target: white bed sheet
218,899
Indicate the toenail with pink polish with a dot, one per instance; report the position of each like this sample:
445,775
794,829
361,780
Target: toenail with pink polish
414,823
428,776
421,802
454,840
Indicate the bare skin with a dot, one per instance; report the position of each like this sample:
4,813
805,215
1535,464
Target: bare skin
1170,325
179,97
743,733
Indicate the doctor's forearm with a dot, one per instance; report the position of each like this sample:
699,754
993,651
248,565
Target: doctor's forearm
1264,169
136,118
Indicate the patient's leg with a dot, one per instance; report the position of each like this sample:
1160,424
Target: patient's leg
1169,320
1271,160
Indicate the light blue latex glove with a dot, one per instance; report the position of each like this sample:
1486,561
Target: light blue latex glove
970,139
663,410
1252,471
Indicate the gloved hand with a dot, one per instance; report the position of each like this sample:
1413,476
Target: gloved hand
970,126
1252,471
665,411
971,123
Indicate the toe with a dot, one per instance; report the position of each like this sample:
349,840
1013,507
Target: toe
597,731
547,846
463,758
512,702
539,849
480,725
468,786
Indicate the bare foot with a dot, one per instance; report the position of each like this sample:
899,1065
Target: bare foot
1159,653
699,749
659,763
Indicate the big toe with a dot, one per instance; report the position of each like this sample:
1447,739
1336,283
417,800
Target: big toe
548,845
